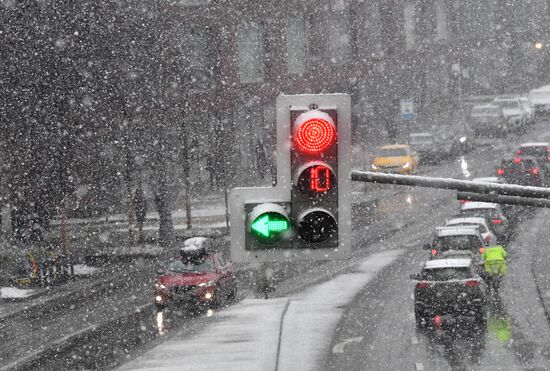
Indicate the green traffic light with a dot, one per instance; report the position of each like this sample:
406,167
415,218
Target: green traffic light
269,227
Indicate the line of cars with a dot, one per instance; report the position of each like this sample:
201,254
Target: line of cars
450,286
504,115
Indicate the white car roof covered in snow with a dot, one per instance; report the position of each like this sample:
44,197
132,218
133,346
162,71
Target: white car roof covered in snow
195,243
448,263
535,144
479,205
456,231
469,220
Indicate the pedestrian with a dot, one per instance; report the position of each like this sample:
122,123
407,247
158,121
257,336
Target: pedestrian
140,208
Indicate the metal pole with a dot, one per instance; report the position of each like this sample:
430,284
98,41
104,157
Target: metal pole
510,200
449,183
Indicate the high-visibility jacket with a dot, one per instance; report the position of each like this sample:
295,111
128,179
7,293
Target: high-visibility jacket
495,260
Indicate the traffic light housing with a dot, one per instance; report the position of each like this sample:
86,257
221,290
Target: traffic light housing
307,214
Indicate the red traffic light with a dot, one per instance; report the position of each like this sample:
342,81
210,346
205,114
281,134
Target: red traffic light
314,132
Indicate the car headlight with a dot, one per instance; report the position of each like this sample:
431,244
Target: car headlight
209,283
406,165
374,167
159,286
462,139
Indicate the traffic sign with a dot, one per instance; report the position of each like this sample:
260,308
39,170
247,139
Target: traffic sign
307,214
407,110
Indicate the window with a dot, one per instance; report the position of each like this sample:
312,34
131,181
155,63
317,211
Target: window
250,53
441,20
374,33
410,26
339,39
198,57
297,45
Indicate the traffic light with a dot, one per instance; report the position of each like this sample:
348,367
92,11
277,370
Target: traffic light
307,214
314,167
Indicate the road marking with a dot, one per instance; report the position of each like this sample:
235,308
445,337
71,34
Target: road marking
339,348
419,366
414,340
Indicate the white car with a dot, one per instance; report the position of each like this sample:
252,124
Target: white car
492,213
455,241
528,108
489,237
513,112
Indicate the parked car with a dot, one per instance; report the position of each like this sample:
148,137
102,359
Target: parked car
512,110
488,119
522,170
198,277
395,158
455,137
449,287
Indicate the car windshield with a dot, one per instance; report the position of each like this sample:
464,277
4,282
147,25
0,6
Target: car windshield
485,111
458,242
421,139
481,227
179,266
446,274
534,151
392,152
482,213
508,104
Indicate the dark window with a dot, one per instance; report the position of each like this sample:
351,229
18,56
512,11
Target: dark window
446,274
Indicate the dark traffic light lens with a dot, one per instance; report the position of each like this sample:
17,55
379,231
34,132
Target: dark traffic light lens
316,181
317,226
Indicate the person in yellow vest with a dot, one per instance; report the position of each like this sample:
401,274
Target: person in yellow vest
495,265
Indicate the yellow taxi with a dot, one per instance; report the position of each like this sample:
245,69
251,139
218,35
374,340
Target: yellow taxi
395,158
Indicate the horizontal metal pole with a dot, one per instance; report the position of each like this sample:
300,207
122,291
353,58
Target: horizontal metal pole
450,183
509,200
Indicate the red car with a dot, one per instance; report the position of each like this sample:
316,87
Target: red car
196,277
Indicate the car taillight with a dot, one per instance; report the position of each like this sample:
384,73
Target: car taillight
423,285
481,250
517,160
548,158
496,221
472,283
500,171
434,252
535,171
462,202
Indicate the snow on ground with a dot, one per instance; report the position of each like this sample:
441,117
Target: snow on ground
84,270
246,336
15,293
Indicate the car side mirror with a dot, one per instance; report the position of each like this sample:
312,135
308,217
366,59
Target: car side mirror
427,246
415,276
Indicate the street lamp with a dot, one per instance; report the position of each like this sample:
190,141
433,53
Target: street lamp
538,45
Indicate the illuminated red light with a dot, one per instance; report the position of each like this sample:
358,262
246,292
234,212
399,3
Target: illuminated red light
315,135
438,321
535,171
434,252
500,171
517,160
496,221
482,250
472,283
519,152
422,285
320,179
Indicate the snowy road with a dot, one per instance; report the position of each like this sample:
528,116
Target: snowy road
372,315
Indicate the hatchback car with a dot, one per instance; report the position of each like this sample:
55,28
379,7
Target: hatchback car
196,277
523,171
448,287
457,240
395,158
489,238
492,213
538,150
